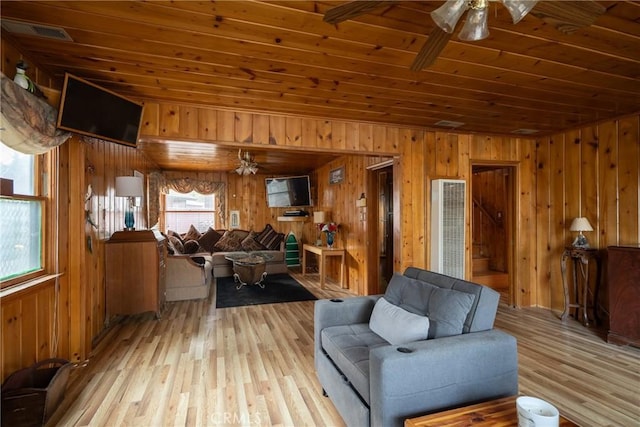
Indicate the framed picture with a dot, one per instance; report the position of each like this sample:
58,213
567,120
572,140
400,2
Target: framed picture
336,176
234,219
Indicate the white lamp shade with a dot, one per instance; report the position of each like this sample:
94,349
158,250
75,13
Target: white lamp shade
129,186
318,217
447,15
581,224
475,28
519,8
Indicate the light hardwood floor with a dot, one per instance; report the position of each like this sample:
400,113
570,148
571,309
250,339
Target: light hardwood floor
202,366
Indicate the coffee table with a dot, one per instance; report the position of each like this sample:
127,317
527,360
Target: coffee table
494,413
248,269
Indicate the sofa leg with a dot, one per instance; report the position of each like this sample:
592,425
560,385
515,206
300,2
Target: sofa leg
324,393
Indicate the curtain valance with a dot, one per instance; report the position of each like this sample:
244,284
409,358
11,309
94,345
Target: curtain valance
159,183
27,123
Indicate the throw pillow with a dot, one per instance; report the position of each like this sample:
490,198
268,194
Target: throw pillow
192,234
191,247
171,250
397,326
177,244
209,239
270,238
229,243
447,309
176,235
250,243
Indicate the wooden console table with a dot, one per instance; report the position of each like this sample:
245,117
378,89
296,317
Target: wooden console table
500,412
323,253
581,258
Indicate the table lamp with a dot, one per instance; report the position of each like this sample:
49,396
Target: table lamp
129,187
318,220
581,224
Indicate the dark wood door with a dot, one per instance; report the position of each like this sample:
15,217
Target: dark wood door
385,229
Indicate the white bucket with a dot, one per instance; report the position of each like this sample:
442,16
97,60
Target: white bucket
534,412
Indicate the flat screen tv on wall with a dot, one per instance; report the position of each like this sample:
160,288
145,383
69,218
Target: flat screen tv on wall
89,109
290,191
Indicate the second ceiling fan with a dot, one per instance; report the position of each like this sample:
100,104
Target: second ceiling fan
566,16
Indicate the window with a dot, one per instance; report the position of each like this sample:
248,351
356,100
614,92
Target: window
21,217
183,209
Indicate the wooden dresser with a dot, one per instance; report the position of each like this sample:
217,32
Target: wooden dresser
623,279
135,266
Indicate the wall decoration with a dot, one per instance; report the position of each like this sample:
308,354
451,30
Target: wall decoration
234,219
336,176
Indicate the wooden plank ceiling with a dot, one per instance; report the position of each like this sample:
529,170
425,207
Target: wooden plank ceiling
281,57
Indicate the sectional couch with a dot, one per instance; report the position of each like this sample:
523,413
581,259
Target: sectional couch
195,258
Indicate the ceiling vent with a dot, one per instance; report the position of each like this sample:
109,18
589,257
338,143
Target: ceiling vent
38,30
525,131
449,124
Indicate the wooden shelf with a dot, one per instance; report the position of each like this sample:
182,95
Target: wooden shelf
292,218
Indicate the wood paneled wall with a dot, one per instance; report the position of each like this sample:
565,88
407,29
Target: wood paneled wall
592,172
221,126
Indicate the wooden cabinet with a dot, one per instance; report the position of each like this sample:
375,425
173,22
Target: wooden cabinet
135,270
623,273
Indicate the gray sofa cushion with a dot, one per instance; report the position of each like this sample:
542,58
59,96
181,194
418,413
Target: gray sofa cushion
348,346
447,309
483,310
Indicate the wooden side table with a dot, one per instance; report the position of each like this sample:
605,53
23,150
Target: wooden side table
323,253
499,412
581,258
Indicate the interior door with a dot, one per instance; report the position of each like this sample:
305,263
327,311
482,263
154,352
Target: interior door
385,229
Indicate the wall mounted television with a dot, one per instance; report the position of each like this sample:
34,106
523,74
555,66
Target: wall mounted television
290,191
89,109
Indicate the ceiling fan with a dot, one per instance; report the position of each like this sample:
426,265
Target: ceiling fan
247,164
566,16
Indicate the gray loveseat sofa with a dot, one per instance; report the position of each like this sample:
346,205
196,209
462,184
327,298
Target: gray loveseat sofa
462,360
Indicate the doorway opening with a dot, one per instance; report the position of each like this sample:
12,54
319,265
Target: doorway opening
493,210
381,230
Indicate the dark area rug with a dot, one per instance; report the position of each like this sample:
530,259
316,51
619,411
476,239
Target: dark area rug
277,288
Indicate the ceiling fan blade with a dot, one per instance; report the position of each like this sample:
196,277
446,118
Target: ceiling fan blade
437,40
568,16
351,10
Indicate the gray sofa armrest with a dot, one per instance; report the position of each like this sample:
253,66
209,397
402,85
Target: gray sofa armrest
441,373
346,312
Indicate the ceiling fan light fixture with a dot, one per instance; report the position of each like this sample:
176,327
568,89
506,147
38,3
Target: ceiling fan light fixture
519,8
446,16
475,28
247,165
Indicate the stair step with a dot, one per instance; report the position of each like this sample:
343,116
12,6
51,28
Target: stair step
480,264
494,279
